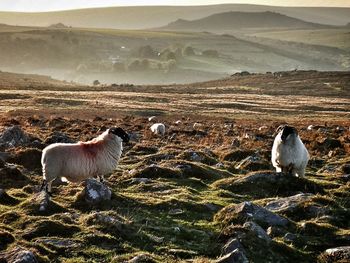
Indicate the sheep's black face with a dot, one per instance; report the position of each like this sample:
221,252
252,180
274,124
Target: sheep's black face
120,133
287,131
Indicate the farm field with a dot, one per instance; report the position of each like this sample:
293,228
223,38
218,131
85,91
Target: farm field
339,38
164,57
181,197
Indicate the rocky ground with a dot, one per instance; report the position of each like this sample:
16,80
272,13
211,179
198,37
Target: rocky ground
199,194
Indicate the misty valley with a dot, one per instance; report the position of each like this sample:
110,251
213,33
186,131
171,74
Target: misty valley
180,52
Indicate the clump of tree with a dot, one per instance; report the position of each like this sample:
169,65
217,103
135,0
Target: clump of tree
146,52
167,54
139,65
59,25
210,53
188,51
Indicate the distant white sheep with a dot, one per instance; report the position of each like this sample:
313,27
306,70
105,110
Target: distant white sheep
158,128
289,154
197,125
75,162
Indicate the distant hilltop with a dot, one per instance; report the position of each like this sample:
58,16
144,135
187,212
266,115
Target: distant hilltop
143,17
241,20
59,25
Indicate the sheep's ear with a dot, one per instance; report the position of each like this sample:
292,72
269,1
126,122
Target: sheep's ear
116,130
280,128
120,133
112,130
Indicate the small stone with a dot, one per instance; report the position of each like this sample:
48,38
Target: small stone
141,259
258,230
41,201
183,167
289,237
288,204
249,211
337,254
231,245
14,136
96,192
195,157
235,256
274,231
58,242
176,211
219,165
156,239
20,255
140,180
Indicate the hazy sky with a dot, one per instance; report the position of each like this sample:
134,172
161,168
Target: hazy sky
49,5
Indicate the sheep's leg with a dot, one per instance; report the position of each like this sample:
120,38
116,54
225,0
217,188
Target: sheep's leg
46,187
284,169
49,188
101,178
299,173
43,185
278,169
290,169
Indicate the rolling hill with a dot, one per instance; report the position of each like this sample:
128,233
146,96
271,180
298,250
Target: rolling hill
156,16
142,56
239,20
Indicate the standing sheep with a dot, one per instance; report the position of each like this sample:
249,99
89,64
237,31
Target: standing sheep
158,128
289,154
75,162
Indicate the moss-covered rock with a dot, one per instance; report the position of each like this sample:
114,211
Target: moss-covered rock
12,176
268,184
6,238
240,213
49,227
236,155
29,158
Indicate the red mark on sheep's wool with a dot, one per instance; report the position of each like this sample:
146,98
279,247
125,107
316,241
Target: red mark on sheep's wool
90,149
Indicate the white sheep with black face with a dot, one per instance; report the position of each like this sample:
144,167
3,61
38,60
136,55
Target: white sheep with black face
75,162
289,154
158,128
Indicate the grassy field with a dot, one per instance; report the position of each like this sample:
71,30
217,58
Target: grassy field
304,95
172,195
339,38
